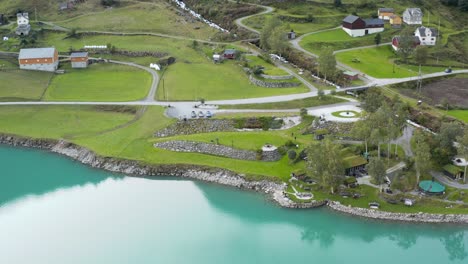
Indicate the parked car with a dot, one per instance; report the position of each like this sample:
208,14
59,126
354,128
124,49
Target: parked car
200,114
448,70
193,115
208,114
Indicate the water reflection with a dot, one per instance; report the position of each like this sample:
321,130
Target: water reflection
323,226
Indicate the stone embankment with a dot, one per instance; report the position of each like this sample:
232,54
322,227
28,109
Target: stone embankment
406,217
214,175
266,84
218,150
207,148
276,77
194,126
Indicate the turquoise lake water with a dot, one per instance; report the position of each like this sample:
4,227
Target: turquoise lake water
55,210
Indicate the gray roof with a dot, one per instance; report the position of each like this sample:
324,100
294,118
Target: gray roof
373,21
230,51
37,53
350,19
422,31
414,11
79,54
386,9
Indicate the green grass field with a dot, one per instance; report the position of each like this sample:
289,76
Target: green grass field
100,82
21,84
158,17
192,81
57,121
382,56
459,114
268,68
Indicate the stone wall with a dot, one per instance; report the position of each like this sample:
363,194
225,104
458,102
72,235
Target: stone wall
272,155
265,84
276,77
193,126
207,148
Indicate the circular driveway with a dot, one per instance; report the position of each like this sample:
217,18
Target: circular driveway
327,112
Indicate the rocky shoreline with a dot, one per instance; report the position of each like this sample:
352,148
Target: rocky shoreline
220,176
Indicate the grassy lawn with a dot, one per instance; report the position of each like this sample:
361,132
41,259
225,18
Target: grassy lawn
191,81
269,68
459,114
338,114
157,17
338,39
20,85
294,104
382,56
57,121
100,82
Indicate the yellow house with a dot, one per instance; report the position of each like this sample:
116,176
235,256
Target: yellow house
395,21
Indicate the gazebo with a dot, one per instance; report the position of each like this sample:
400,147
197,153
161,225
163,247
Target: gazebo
431,187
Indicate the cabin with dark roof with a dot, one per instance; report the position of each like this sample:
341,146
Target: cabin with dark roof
79,59
385,13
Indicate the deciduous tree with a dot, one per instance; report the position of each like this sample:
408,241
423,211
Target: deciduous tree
422,155
327,62
462,149
376,169
325,163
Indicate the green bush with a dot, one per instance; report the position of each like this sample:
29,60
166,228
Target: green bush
292,154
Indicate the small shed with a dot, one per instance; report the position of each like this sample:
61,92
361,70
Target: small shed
453,171
396,21
230,54
350,75
216,57
79,59
292,34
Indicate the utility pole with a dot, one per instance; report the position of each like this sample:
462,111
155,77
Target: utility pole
419,83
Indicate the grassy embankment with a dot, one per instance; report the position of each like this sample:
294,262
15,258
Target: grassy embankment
384,57
294,104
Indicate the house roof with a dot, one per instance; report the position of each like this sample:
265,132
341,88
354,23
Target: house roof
373,21
79,54
350,73
386,9
414,11
230,51
422,31
354,161
37,53
350,19
452,169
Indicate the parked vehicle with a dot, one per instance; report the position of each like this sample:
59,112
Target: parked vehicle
200,114
208,114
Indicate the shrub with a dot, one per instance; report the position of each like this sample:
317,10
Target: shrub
292,154
303,112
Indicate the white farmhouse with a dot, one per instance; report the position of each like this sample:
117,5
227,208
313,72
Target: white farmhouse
413,16
23,24
427,36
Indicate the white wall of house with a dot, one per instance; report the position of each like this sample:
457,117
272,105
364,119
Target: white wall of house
79,64
384,17
362,32
22,20
428,39
50,67
395,48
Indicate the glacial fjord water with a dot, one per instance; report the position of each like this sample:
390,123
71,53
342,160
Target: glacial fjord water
54,210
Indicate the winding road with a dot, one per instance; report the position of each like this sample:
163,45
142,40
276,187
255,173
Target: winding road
149,99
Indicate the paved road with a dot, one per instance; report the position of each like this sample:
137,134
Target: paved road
405,140
445,180
240,21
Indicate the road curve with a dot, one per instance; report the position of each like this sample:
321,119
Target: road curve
240,23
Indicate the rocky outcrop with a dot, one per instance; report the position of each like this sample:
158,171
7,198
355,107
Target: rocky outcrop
276,77
266,84
406,217
193,126
206,148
